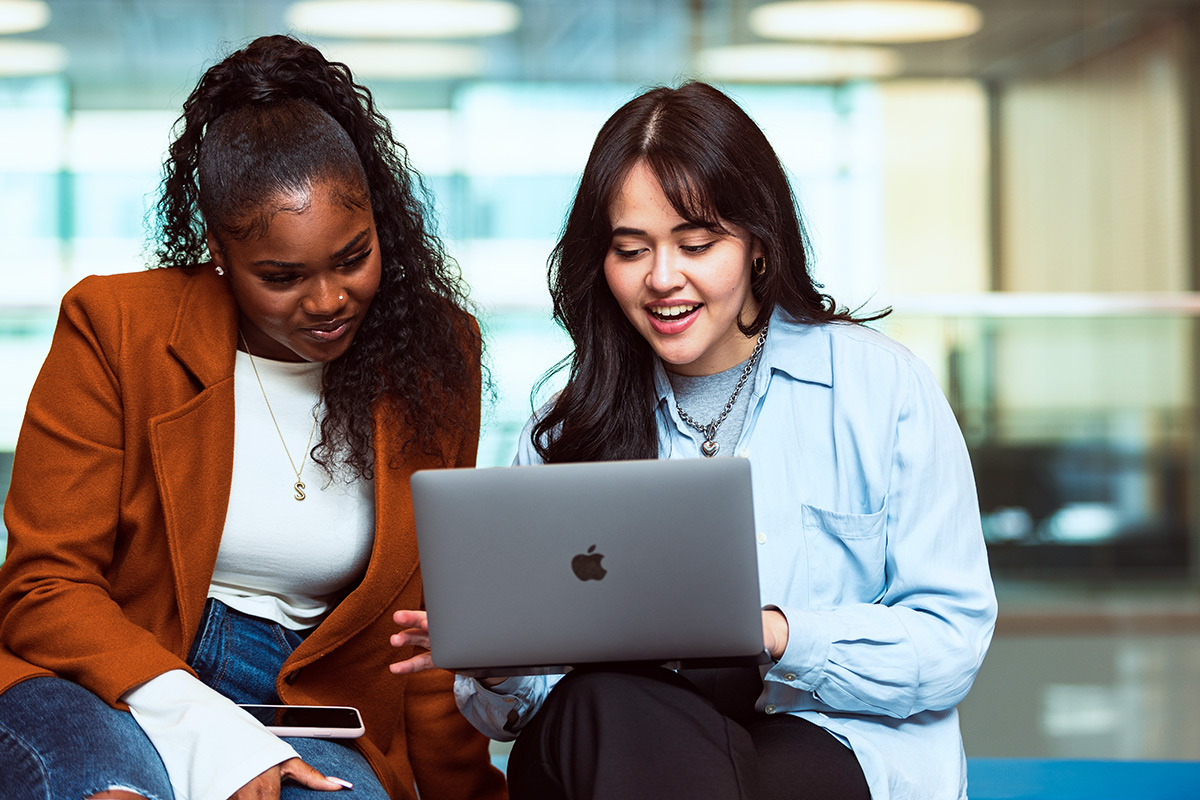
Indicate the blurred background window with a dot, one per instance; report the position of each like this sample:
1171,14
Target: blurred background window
1017,179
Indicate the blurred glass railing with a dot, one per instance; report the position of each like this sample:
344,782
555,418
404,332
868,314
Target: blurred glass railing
1080,412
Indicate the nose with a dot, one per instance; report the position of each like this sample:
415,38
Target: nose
325,298
664,275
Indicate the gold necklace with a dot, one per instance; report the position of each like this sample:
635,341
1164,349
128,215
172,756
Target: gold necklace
299,484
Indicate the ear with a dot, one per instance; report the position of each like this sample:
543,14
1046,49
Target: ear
756,249
214,248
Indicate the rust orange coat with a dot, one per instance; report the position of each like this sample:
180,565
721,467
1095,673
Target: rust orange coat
119,491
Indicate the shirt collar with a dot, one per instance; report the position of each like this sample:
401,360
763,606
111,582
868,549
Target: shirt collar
799,350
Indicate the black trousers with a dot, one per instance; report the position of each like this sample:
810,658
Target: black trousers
654,733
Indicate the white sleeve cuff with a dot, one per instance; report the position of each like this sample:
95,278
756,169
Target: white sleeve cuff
211,748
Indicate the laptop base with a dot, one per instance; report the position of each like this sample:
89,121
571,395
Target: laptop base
762,657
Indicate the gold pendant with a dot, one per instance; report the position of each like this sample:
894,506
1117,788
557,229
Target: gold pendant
299,487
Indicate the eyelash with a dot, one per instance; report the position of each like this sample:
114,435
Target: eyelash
288,277
279,278
693,249
355,259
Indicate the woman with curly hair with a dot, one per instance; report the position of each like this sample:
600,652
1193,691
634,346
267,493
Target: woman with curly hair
209,501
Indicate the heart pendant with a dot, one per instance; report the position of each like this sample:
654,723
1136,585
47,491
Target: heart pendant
709,449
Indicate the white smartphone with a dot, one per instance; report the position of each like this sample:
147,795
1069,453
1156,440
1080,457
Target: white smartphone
320,722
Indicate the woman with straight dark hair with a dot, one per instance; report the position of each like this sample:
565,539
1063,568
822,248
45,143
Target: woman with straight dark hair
209,501
682,277
715,166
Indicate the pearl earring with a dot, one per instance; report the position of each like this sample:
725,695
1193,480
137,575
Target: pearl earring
217,267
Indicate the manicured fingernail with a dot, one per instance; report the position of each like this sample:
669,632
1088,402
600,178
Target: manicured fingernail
340,782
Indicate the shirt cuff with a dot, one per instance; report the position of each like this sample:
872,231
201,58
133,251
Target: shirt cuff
501,711
803,663
210,747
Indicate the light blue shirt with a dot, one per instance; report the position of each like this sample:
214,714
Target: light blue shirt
869,543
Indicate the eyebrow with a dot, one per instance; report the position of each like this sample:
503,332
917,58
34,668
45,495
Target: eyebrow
683,226
353,243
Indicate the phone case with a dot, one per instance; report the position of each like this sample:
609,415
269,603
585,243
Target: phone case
316,722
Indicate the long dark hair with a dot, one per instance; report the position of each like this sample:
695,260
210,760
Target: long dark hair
715,166
417,352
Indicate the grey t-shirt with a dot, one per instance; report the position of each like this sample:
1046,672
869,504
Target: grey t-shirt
703,398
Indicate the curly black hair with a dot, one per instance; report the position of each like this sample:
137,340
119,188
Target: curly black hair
418,350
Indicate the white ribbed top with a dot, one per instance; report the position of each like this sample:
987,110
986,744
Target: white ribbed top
283,559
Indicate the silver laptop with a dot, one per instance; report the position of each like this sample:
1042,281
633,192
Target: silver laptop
536,569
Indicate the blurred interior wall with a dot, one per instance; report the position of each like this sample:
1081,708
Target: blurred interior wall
934,161
1093,196
1093,173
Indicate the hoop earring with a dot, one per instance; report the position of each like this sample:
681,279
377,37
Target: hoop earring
217,267
760,265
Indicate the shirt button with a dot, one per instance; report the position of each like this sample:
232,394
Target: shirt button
770,709
791,676
761,538
744,452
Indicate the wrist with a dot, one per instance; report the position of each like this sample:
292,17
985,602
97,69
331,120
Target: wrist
778,625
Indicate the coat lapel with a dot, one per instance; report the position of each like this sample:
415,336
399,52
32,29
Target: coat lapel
393,563
192,445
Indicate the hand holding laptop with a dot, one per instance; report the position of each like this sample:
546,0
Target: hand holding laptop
415,631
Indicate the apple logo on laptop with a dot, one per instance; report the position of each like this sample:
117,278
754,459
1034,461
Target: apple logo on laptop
586,566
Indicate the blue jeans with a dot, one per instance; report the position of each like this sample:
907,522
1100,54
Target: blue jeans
58,740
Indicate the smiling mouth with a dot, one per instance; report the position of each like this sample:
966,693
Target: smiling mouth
328,331
673,313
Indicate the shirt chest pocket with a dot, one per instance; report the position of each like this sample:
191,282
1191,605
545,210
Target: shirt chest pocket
845,554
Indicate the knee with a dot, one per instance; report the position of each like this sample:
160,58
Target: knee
632,694
589,686
24,771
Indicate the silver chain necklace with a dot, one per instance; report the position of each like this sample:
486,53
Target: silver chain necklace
710,447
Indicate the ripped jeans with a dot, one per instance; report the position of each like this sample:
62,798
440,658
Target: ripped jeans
58,741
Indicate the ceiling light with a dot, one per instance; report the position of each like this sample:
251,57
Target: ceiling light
866,20
22,16
407,61
415,19
31,58
798,63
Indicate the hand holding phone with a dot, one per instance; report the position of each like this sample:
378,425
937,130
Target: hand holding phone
320,722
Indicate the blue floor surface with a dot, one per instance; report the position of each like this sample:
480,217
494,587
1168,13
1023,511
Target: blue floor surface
1060,779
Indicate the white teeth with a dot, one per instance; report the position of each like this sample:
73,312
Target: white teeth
670,312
